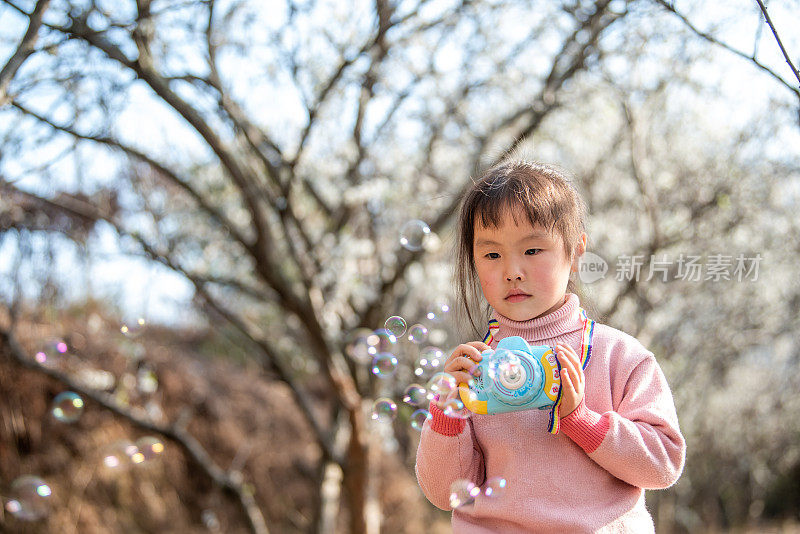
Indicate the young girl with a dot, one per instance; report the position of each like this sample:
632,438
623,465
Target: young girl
616,432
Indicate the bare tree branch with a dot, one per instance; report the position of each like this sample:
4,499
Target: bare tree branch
256,137
272,361
145,69
778,39
378,47
184,184
24,50
711,39
649,197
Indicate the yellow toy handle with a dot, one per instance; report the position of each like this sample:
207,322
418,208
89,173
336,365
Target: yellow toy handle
470,401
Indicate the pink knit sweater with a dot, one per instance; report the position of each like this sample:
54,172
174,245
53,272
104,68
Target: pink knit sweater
623,439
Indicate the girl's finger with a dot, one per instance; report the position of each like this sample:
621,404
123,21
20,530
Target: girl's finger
459,364
469,351
568,365
480,345
566,380
567,353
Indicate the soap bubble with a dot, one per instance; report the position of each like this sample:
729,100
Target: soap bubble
413,234
419,417
381,340
96,379
415,395
133,328
358,348
210,520
149,447
495,487
430,358
506,367
384,364
455,408
29,498
50,355
384,410
418,334
396,325
463,493
121,455
146,381
67,407
438,311
441,384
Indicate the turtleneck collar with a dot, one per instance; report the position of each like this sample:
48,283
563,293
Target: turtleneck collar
564,320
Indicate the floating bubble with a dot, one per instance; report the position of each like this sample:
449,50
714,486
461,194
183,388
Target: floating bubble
495,487
67,407
415,395
52,353
463,493
149,447
96,379
359,348
154,411
396,325
413,235
430,358
507,368
384,364
438,311
29,498
418,334
384,410
455,408
419,417
133,328
210,520
120,455
146,380
441,384
381,340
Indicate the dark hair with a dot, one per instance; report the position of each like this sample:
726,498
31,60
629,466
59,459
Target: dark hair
541,192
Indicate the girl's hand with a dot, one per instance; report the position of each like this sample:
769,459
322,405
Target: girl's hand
461,363
572,379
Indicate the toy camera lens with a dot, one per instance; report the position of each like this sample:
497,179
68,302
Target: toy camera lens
512,375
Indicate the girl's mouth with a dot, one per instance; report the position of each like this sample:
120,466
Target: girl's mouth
517,297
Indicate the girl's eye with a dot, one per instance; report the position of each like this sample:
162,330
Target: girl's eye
533,251
493,255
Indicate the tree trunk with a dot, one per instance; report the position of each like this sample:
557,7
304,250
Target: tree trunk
330,495
356,475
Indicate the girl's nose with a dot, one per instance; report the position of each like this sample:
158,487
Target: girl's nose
513,272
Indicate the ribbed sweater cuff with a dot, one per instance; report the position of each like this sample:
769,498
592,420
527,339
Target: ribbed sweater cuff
585,427
441,424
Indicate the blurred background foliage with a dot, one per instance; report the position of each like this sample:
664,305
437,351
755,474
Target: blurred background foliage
237,174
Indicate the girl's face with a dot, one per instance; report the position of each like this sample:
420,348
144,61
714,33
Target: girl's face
523,270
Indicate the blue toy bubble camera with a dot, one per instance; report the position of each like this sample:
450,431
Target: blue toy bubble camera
513,377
